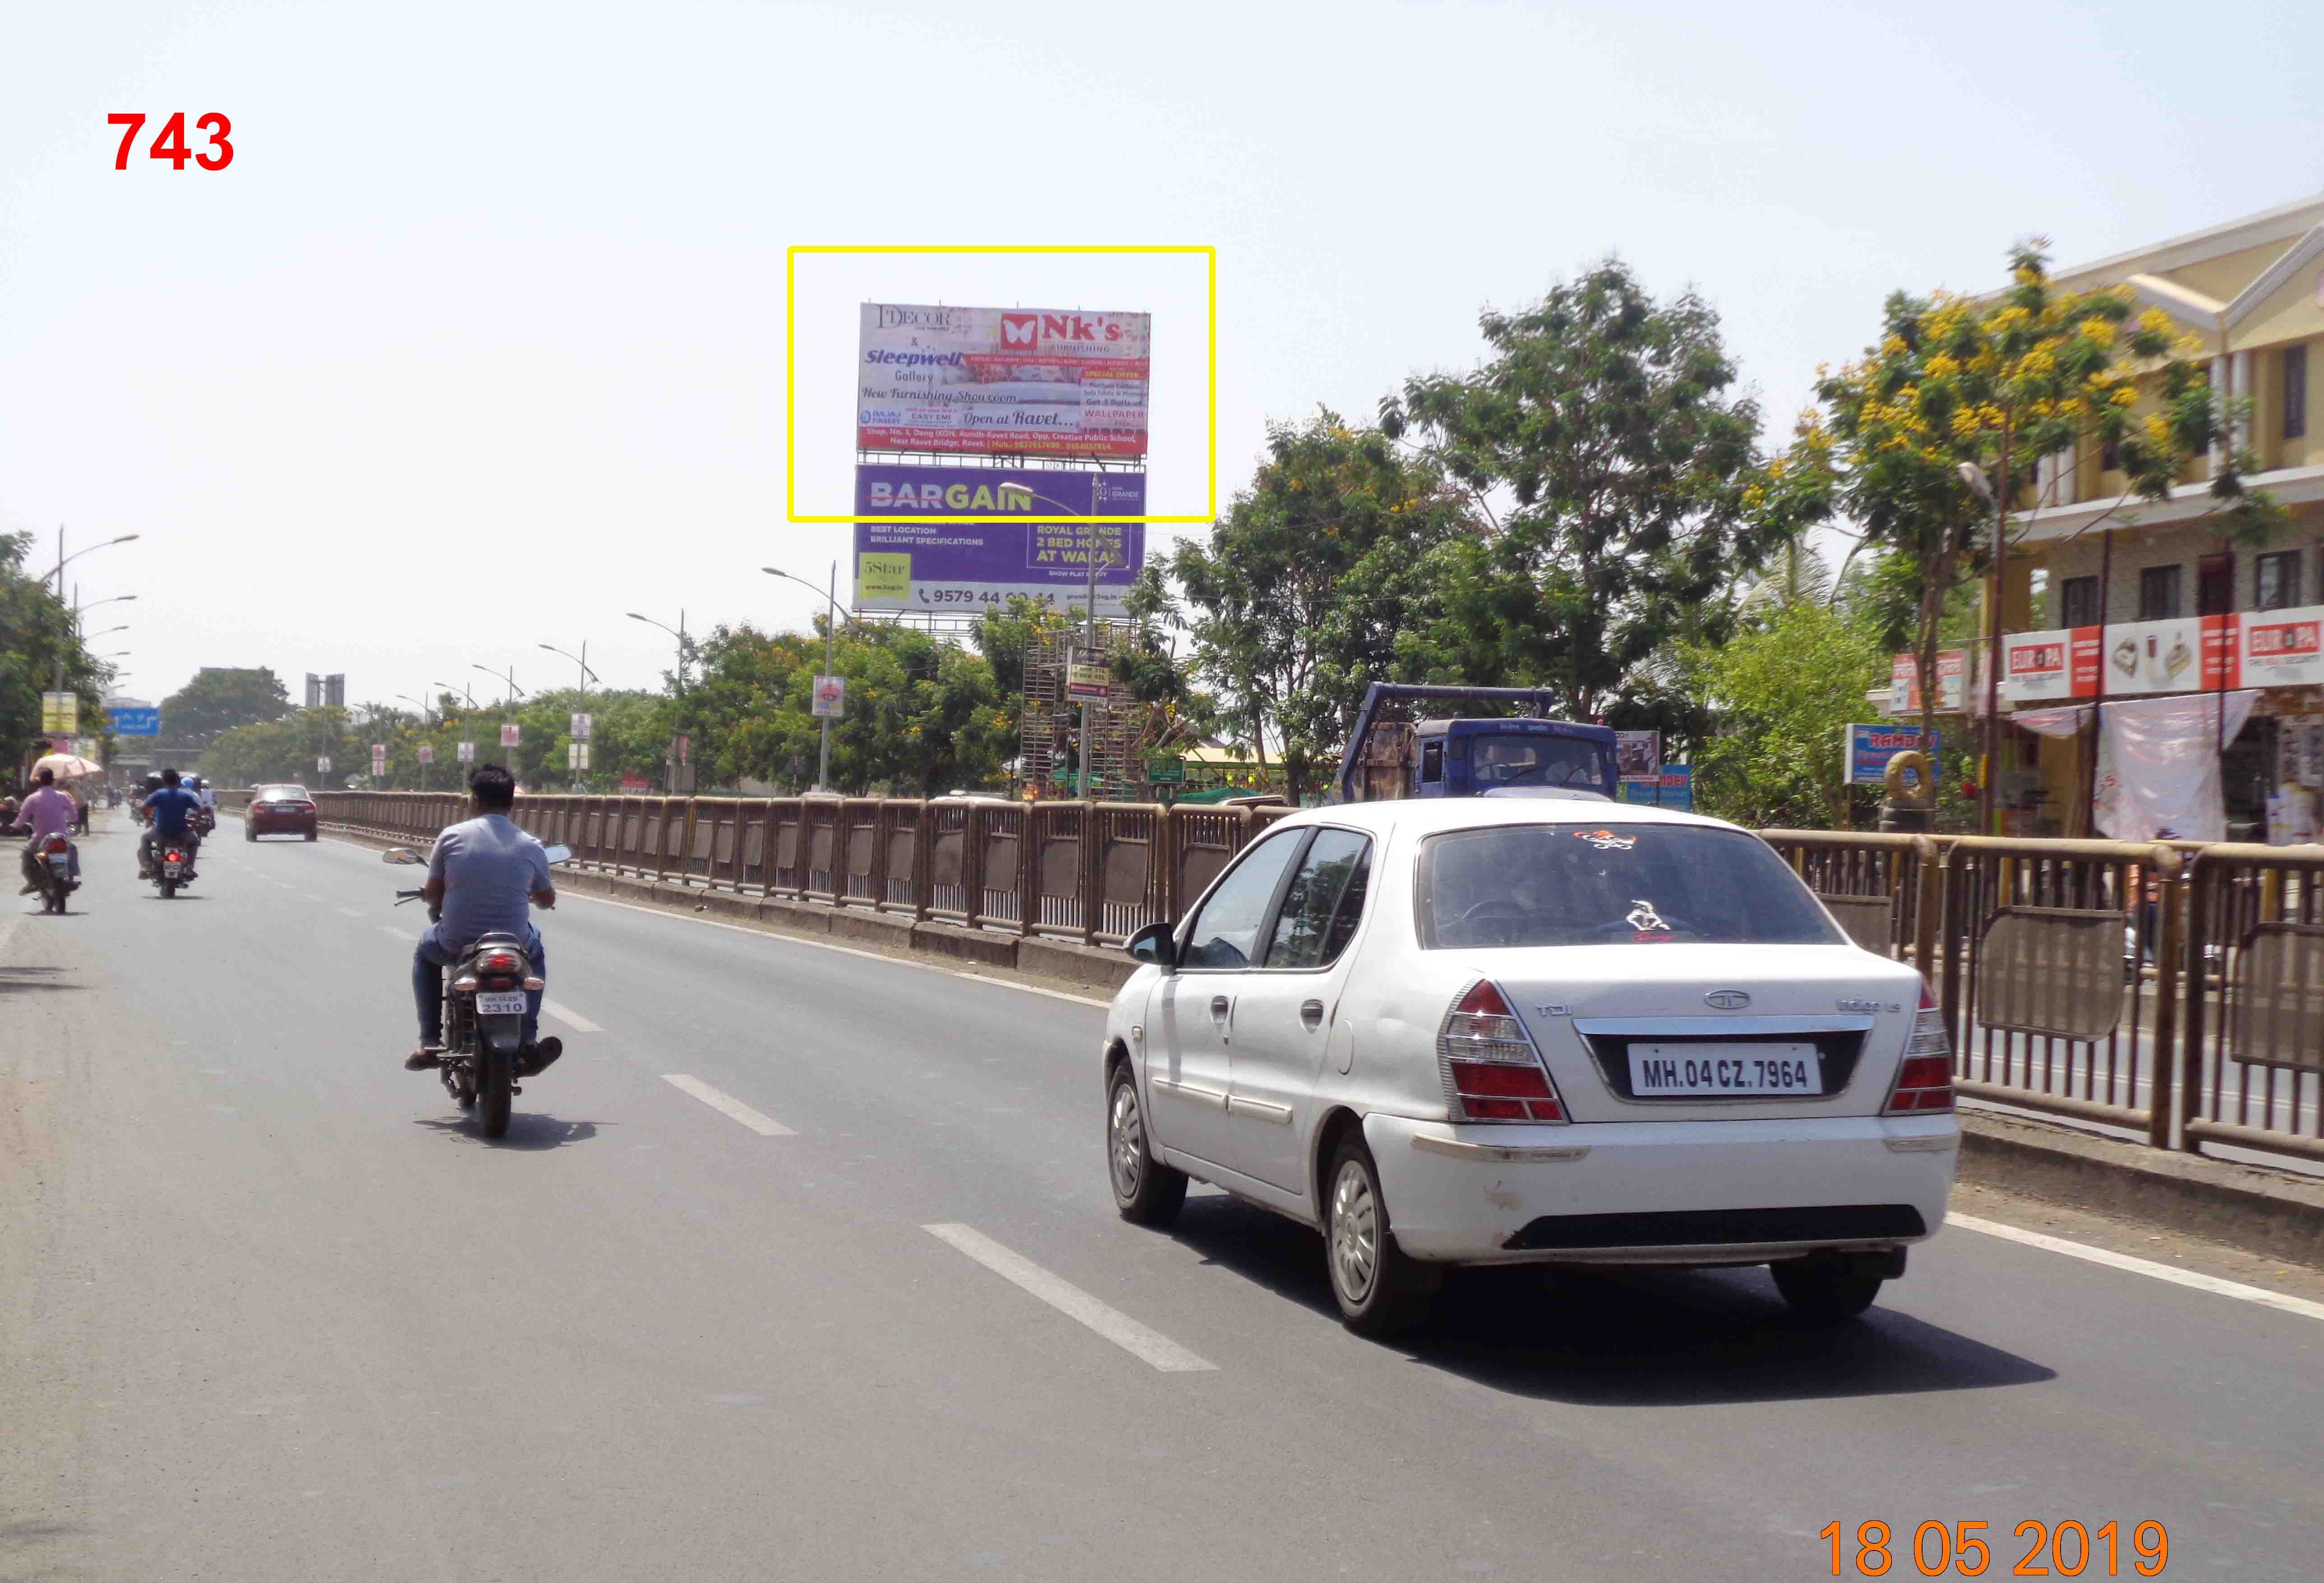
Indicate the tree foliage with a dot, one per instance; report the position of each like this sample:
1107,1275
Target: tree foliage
35,629
1779,693
1994,384
1608,422
1298,603
218,699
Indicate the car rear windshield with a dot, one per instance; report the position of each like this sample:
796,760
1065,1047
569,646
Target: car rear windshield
1597,884
270,793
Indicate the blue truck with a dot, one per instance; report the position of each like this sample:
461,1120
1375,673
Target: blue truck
1519,752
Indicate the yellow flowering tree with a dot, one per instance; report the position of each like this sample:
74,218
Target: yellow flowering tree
1996,383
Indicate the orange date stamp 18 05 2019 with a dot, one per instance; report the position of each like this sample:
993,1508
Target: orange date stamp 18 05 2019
2067,1548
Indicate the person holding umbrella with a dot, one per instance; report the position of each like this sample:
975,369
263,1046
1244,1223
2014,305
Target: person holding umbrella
47,812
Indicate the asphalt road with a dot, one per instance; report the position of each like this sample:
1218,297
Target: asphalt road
271,1309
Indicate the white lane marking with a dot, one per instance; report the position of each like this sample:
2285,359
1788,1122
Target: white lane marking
569,1016
393,933
765,1125
348,912
311,896
1070,1300
2142,1266
8,928
1034,990
926,967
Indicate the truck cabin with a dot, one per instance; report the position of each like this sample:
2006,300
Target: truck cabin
1472,758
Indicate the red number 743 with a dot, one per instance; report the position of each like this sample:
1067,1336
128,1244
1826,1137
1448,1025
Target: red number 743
171,144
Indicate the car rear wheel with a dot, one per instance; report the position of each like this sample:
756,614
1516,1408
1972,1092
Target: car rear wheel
1147,1191
1380,1291
310,835
1824,1291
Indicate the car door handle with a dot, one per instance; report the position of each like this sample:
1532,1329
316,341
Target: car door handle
1219,1010
1311,1012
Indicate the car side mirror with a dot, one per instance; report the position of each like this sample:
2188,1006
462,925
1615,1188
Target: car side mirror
1156,943
401,855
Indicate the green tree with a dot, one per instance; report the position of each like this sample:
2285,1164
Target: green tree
1605,422
218,699
1964,388
34,630
1778,694
1296,604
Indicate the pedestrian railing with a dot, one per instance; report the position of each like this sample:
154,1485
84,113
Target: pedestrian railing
2167,989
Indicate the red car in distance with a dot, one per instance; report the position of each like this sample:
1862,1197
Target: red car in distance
278,810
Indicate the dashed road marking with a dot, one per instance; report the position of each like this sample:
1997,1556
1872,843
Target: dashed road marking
348,912
393,933
1115,1326
758,1121
2142,1266
569,1016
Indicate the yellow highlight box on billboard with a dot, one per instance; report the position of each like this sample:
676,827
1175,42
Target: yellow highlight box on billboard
790,375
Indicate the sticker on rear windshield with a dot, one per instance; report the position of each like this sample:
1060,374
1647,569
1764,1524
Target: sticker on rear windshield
1606,840
1648,922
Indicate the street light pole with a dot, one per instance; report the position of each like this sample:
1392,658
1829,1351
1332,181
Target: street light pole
587,676
830,657
64,560
679,632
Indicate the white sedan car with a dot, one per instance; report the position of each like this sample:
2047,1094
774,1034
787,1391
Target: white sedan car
1478,1031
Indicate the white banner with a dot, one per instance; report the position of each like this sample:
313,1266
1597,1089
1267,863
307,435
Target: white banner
1028,382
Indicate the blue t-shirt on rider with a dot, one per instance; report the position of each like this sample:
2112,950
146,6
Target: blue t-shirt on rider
169,807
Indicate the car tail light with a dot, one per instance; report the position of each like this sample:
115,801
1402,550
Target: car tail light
1924,1081
1492,1070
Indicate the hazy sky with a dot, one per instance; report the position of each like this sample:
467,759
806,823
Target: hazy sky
479,342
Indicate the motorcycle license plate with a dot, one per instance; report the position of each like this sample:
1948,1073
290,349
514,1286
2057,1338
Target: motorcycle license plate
169,870
499,1003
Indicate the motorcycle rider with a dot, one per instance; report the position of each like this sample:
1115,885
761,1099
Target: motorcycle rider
481,873
167,812
47,812
205,797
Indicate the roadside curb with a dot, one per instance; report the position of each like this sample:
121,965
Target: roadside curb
2259,1209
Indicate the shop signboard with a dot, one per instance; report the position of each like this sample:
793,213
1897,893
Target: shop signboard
2280,647
2183,655
1038,548
999,381
1166,772
1870,747
60,713
2050,667
1952,683
1673,787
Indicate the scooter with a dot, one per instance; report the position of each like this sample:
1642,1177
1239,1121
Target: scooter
483,1012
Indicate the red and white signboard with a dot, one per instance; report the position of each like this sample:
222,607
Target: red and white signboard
1952,683
2280,647
2053,665
426,753
1029,381
379,757
508,735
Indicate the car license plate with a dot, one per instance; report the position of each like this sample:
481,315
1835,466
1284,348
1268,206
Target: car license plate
499,1003
1674,1071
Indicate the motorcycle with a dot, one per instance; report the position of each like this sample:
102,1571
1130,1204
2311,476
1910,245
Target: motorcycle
173,864
203,822
483,1012
55,864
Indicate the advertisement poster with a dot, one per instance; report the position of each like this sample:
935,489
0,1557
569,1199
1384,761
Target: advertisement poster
1952,683
1671,789
2050,667
2182,656
1638,755
1870,747
970,567
829,699
998,381
60,713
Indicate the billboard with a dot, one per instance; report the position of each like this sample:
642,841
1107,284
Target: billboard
1870,747
976,566
1019,381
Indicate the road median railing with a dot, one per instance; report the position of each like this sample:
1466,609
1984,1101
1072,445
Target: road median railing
2169,989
